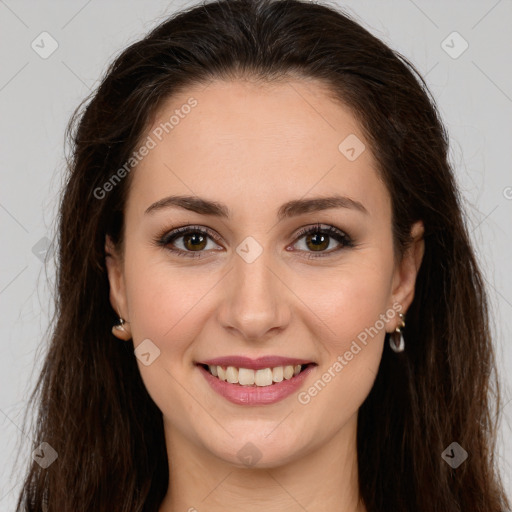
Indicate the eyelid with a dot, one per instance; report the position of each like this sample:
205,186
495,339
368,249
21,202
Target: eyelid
168,235
319,227
333,232
340,236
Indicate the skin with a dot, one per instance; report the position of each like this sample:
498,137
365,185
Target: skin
254,147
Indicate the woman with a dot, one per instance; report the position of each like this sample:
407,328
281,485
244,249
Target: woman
267,297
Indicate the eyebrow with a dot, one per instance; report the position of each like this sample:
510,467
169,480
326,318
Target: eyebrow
287,210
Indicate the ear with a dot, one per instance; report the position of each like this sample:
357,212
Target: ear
114,264
404,278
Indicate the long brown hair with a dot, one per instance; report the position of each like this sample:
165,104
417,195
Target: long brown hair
93,408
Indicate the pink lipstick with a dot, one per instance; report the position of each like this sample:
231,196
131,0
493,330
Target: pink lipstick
262,381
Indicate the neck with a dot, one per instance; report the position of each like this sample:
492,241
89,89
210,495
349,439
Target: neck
325,479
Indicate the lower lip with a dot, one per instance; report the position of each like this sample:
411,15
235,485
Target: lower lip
256,395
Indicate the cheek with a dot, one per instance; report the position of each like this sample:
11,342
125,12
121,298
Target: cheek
166,306
164,303
346,376
353,306
349,301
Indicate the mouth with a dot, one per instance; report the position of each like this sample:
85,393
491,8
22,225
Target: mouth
250,377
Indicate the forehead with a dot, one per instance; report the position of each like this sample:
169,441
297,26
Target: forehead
242,141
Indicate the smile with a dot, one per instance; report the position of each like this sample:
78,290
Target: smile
263,381
248,377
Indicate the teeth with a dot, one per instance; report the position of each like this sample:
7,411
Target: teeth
277,374
288,372
248,377
263,377
245,377
232,374
221,373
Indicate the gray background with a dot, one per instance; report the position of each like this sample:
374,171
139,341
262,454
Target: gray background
37,96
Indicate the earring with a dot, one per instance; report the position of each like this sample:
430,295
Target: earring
120,325
119,330
396,338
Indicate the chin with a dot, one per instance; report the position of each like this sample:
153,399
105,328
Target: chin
255,451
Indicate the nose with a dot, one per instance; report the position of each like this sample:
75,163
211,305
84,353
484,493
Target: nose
255,304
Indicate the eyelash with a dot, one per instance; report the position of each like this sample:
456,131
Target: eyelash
165,238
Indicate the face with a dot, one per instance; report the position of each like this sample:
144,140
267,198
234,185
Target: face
261,271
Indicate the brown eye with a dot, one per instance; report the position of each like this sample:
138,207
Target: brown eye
188,241
195,241
317,239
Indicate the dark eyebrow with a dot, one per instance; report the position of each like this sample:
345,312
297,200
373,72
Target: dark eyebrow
315,204
287,210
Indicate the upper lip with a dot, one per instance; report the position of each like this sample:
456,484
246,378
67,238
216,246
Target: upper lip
255,364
